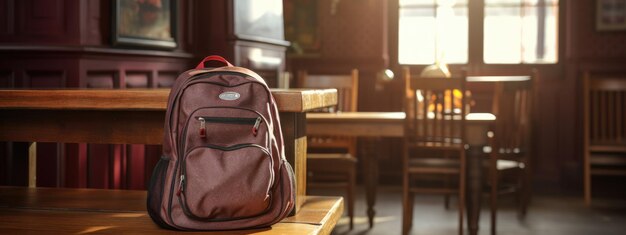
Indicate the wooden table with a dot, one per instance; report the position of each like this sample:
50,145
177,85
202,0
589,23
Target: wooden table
77,211
133,117
391,124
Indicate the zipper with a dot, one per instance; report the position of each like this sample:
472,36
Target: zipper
181,185
255,122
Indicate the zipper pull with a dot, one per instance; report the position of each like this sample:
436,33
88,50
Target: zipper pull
180,185
202,127
257,123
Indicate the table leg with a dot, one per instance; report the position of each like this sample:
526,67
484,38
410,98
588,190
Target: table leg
32,165
474,188
370,165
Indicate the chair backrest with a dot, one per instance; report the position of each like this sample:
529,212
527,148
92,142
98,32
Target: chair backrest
512,106
347,87
435,108
347,100
605,109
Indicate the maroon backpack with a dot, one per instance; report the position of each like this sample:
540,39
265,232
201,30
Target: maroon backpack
223,165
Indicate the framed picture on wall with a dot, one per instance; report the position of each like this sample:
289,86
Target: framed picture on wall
144,23
611,15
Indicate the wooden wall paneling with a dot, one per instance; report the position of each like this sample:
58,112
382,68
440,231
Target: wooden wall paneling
94,15
7,165
16,159
7,79
352,28
44,79
136,155
50,164
98,165
48,21
165,78
102,79
546,160
76,162
138,79
7,17
592,44
152,155
117,167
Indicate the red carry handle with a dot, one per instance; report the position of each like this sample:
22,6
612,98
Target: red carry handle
213,58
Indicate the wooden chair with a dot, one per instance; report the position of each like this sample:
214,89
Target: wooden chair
331,160
434,142
605,127
510,145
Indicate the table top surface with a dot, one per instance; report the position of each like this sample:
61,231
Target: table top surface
84,210
384,116
385,124
287,100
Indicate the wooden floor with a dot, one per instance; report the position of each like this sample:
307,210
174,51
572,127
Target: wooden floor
548,214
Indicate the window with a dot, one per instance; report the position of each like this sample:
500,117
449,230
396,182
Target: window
432,30
514,31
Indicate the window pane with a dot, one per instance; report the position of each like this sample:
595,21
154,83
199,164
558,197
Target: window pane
453,35
427,34
540,45
502,35
431,3
520,34
416,36
518,2
501,2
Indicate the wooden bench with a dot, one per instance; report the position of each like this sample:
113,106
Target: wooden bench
78,211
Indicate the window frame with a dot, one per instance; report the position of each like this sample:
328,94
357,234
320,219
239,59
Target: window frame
475,59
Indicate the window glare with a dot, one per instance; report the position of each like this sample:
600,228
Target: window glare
515,31
416,37
432,2
433,33
512,34
502,39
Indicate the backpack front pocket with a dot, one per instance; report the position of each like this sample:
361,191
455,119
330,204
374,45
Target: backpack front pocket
226,183
224,127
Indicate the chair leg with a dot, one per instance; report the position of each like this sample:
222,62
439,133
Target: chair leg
446,182
462,192
407,206
446,199
494,193
527,191
522,193
587,179
351,188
